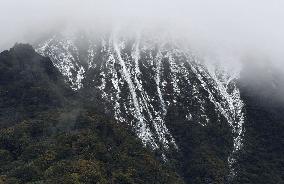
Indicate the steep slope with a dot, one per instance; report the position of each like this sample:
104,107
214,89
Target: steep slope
77,117
56,138
261,160
29,84
172,100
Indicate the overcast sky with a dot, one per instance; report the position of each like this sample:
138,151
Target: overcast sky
211,26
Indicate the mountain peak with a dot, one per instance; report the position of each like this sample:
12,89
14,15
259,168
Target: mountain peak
152,84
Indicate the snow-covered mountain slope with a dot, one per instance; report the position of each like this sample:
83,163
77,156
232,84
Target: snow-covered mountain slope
143,80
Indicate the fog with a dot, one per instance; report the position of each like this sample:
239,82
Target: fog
222,30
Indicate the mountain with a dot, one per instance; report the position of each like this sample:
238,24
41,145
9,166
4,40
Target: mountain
48,135
174,103
134,108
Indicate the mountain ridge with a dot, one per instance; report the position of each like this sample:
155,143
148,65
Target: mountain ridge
215,124
141,79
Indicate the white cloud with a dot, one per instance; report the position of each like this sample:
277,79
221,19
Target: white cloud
212,27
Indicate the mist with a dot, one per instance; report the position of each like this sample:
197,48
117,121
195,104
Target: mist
225,31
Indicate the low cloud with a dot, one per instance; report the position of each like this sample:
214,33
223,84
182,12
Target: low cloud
219,30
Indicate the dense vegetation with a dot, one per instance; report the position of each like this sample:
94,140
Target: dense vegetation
94,150
204,150
29,84
48,136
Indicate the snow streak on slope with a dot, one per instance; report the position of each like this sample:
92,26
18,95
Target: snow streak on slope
233,107
64,54
143,130
140,79
227,100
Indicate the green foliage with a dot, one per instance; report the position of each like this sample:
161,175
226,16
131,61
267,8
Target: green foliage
95,150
